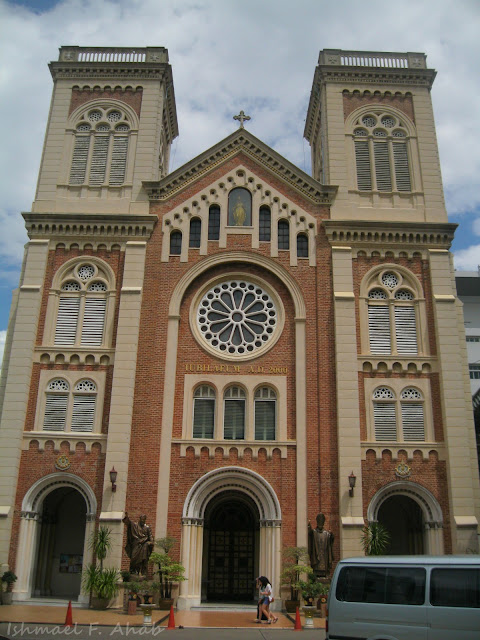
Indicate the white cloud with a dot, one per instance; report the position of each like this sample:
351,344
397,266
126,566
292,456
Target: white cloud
468,259
227,56
3,337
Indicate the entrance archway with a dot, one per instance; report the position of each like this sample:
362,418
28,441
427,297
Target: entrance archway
206,503
56,524
230,543
59,558
404,520
412,512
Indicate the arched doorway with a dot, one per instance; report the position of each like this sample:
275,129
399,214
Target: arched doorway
61,534
412,515
231,538
404,520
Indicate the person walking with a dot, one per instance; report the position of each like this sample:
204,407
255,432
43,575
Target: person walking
266,596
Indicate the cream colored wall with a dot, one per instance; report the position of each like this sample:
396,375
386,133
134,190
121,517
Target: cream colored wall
463,479
53,194
348,411
17,384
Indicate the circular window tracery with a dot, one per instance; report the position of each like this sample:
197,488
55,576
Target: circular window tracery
390,280
383,393
71,286
237,317
86,385
85,272
58,385
95,116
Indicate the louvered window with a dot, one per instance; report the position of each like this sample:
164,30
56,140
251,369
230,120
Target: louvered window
283,235
412,415
234,414
100,150
265,227
204,412
55,416
378,143
265,414
364,172
83,413
82,306
214,222
405,330
379,329
384,414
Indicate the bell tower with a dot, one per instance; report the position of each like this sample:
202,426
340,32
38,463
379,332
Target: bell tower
111,125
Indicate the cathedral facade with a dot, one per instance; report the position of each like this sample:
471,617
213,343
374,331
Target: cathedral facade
234,347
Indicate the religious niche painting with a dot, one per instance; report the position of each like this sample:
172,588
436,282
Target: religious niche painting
240,208
70,563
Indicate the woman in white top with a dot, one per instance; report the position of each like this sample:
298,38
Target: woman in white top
267,597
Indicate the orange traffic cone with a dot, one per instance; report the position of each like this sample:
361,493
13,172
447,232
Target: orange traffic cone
171,619
68,618
298,624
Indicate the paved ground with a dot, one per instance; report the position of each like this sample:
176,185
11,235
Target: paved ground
26,622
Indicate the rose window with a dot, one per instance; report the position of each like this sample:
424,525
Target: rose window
237,317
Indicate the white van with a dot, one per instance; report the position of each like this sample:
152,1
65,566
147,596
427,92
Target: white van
405,598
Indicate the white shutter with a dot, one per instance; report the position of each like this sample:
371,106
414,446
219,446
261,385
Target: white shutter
93,321
119,160
362,157
379,329
412,421
402,171
406,330
234,420
382,166
55,412
385,421
79,159
203,417
67,320
265,419
98,164
83,415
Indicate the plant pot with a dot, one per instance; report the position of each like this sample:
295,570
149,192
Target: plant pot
131,607
100,603
165,603
291,605
323,609
7,597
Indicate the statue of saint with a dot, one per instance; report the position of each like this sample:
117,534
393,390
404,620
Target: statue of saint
239,213
320,548
139,545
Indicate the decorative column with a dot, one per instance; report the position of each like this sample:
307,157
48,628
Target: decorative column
190,594
301,428
271,556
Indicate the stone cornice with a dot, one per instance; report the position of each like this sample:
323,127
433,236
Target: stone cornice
358,234
89,226
241,141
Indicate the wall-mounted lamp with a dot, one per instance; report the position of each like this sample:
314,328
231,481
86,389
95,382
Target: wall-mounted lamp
352,479
113,479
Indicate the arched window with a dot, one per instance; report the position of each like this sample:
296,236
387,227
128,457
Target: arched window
404,423
101,147
265,219
195,233
214,222
240,207
392,317
82,306
302,245
175,243
265,414
234,414
203,412
381,153
283,235
65,411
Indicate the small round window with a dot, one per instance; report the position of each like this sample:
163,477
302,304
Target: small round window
236,318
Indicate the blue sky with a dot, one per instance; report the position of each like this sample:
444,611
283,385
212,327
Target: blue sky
255,55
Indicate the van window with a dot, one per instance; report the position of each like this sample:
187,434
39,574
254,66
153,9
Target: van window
455,588
382,585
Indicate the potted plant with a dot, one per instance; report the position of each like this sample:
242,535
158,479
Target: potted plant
102,584
375,539
310,590
8,578
169,571
125,575
322,600
293,557
134,589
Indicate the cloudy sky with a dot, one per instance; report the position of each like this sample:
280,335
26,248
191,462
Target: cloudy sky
227,55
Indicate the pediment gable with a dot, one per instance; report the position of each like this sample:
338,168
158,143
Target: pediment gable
240,142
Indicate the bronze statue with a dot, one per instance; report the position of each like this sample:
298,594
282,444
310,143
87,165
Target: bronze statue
320,548
139,544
